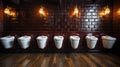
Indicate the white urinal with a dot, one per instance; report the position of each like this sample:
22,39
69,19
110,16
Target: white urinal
91,41
108,41
24,41
42,40
58,41
74,40
7,41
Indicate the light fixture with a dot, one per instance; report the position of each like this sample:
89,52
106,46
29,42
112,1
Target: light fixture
75,12
10,12
118,11
105,11
43,12
7,10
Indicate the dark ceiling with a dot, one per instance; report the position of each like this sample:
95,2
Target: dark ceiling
52,1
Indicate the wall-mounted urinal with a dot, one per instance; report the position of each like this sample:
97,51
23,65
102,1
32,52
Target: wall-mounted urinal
58,41
108,41
91,41
74,40
7,41
42,40
24,41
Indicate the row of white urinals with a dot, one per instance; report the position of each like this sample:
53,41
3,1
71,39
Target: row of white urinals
24,41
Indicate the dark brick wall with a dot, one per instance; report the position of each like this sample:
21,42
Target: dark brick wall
1,17
116,24
59,19
116,17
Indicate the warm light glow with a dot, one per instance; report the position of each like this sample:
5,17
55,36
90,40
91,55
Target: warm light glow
43,12
75,12
118,11
104,11
9,11
13,14
107,10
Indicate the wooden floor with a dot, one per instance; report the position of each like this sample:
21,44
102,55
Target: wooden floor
59,60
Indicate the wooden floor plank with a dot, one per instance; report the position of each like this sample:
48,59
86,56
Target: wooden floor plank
60,60
76,62
37,62
96,60
51,60
107,60
87,59
81,61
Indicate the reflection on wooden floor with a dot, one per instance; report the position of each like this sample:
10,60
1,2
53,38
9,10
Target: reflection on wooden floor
59,60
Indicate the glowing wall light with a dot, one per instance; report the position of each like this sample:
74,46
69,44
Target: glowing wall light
105,11
75,12
10,12
43,12
118,11
7,10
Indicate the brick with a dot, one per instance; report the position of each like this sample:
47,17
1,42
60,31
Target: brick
84,16
89,17
91,10
86,20
94,13
88,29
91,20
88,23
86,26
91,26
94,29
94,16
83,29
94,7
86,11
94,23
97,19
88,14
96,26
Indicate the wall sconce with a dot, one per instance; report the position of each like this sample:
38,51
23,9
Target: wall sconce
10,12
75,12
105,11
43,12
118,11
